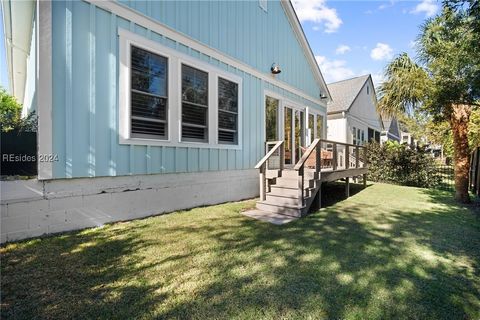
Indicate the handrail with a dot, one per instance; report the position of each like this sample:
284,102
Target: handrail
269,154
307,154
341,143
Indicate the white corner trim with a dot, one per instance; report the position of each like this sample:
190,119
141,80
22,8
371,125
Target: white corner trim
175,61
44,87
149,23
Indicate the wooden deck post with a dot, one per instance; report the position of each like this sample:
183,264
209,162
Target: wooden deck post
357,155
334,156
347,187
319,196
364,180
347,157
263,183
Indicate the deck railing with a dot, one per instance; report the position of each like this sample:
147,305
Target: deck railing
320,155
300,167
278,152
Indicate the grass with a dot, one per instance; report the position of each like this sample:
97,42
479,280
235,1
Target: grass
386,252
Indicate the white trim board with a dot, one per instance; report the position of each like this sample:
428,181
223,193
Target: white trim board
149,23
44,87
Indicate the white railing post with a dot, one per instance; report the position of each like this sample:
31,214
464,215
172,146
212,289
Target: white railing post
357,154
334,156
347,157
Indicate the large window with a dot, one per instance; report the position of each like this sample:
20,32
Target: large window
194,104
227,111
148,94
169,98
358,136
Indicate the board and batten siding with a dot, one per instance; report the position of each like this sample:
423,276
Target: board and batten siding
85,111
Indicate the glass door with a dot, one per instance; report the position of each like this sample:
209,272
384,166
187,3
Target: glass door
294,134
288,124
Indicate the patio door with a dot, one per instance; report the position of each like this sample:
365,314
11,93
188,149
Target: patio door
294,134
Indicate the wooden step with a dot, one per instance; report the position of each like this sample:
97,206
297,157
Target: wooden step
293,174
283,200
288,191
288,210
287,182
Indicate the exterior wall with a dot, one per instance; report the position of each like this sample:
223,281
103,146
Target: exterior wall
337,128
240,29
33,208
85,52
358,124
364,108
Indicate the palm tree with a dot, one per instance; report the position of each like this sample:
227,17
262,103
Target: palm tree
445,83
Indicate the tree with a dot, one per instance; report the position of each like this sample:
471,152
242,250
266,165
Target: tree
11,115
444,82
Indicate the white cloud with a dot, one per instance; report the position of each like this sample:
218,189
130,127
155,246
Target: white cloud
381,52
429,7
317,12
316,28
334,70
342,49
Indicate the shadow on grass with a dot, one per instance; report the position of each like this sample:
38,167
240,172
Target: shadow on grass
348,261
333,192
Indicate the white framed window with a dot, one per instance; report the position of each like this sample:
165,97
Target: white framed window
148,94
227,111
169,98
194,104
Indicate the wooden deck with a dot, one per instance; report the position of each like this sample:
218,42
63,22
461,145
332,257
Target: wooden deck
293,190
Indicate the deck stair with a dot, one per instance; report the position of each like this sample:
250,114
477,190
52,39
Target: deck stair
284,197
295,191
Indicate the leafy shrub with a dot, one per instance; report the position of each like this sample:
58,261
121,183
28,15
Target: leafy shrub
399,164
10,115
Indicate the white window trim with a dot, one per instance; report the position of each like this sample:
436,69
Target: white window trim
174,102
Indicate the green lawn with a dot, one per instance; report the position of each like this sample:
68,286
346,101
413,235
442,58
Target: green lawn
386,252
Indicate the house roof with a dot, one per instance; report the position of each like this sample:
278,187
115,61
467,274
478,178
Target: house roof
344,93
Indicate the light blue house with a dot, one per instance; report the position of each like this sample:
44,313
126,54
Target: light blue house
153,106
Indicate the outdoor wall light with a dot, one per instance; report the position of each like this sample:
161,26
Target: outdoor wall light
322,96
275,68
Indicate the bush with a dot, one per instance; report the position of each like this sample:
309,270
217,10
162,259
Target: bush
10,115
399,164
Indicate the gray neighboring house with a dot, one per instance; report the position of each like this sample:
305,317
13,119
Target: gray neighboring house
392,130
352,116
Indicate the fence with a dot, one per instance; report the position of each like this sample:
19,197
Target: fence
19,153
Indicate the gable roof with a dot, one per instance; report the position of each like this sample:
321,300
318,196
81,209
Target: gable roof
297,28
344,93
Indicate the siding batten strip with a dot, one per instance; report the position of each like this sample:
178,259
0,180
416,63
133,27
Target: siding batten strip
113,94
68,91
132,146
91,154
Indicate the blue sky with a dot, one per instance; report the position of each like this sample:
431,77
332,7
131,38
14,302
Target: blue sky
348,38
351,38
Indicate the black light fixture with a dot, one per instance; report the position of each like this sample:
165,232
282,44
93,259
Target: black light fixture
275,69
322,96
